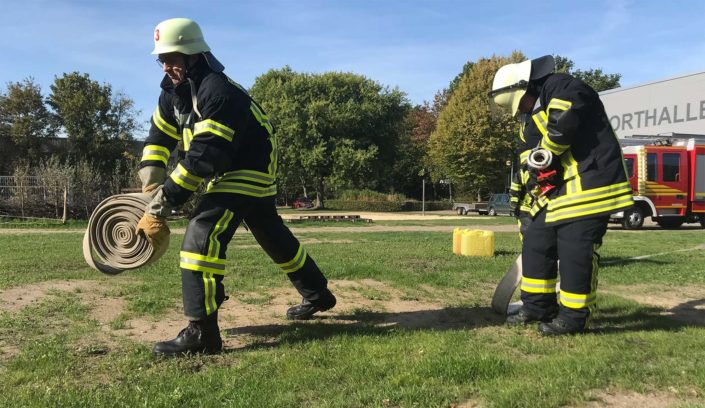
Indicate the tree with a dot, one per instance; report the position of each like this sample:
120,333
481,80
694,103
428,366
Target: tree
335,130
598,80
98,125
473,140
24,122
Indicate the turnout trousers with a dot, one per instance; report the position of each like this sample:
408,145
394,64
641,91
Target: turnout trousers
575,244
210,229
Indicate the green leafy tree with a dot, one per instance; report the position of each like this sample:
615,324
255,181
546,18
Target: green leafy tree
598,80
335,130
473,141
24,122
98,124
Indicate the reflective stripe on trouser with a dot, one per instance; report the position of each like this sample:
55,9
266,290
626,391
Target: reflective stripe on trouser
202,258
285,250
575,244
203,255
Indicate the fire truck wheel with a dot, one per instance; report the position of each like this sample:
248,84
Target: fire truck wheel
633,218
702,222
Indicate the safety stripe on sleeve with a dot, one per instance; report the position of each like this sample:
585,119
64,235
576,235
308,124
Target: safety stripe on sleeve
538,285
555,148
296,263
201,263
182,177
156,153
560,104
163,125
577,300
211,126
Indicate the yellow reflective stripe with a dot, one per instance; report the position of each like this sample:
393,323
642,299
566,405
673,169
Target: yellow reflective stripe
220,227
218,129
187,138
209,292
523,156
538,285
560,104
591,194
521,132
554,147
611,205
541,121
182,177
249,175
577,300
201,263
156,152
263,119
296,263
241,188
570,173
163,125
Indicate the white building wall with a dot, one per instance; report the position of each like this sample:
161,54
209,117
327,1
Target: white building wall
675,105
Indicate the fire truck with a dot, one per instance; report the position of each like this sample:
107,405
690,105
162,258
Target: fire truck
667,175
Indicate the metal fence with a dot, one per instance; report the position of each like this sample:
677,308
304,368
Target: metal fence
13,186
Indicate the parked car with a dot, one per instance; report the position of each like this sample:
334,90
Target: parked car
499,204
303,202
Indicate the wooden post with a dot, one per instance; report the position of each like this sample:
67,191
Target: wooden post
63,218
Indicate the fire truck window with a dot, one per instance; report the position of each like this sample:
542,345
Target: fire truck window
630,167
671,165
651,173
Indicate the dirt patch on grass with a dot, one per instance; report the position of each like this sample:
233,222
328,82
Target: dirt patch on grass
683,303
248,319
17,298
630,399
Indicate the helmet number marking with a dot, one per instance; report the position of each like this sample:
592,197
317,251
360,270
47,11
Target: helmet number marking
156,35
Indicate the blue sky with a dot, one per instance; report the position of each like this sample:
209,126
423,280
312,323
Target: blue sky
417,46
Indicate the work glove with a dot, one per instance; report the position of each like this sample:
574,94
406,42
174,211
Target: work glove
155,230
153,223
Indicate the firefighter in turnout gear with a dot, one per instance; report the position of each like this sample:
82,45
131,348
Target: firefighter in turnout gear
226,142
583,181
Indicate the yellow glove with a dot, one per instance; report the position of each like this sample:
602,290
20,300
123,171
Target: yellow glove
155,230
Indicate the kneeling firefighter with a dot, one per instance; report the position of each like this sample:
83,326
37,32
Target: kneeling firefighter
226,137
577,178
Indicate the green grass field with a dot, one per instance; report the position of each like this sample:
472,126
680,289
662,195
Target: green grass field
375,349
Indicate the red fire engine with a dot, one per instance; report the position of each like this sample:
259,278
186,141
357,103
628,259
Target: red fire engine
667,176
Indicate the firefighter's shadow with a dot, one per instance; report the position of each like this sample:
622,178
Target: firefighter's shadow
650,318
365,323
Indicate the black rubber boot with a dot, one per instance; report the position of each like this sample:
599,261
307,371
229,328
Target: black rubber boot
524,316
202,336
306,309
560,327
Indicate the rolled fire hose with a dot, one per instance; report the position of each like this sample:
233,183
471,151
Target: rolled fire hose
505,289
110,244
